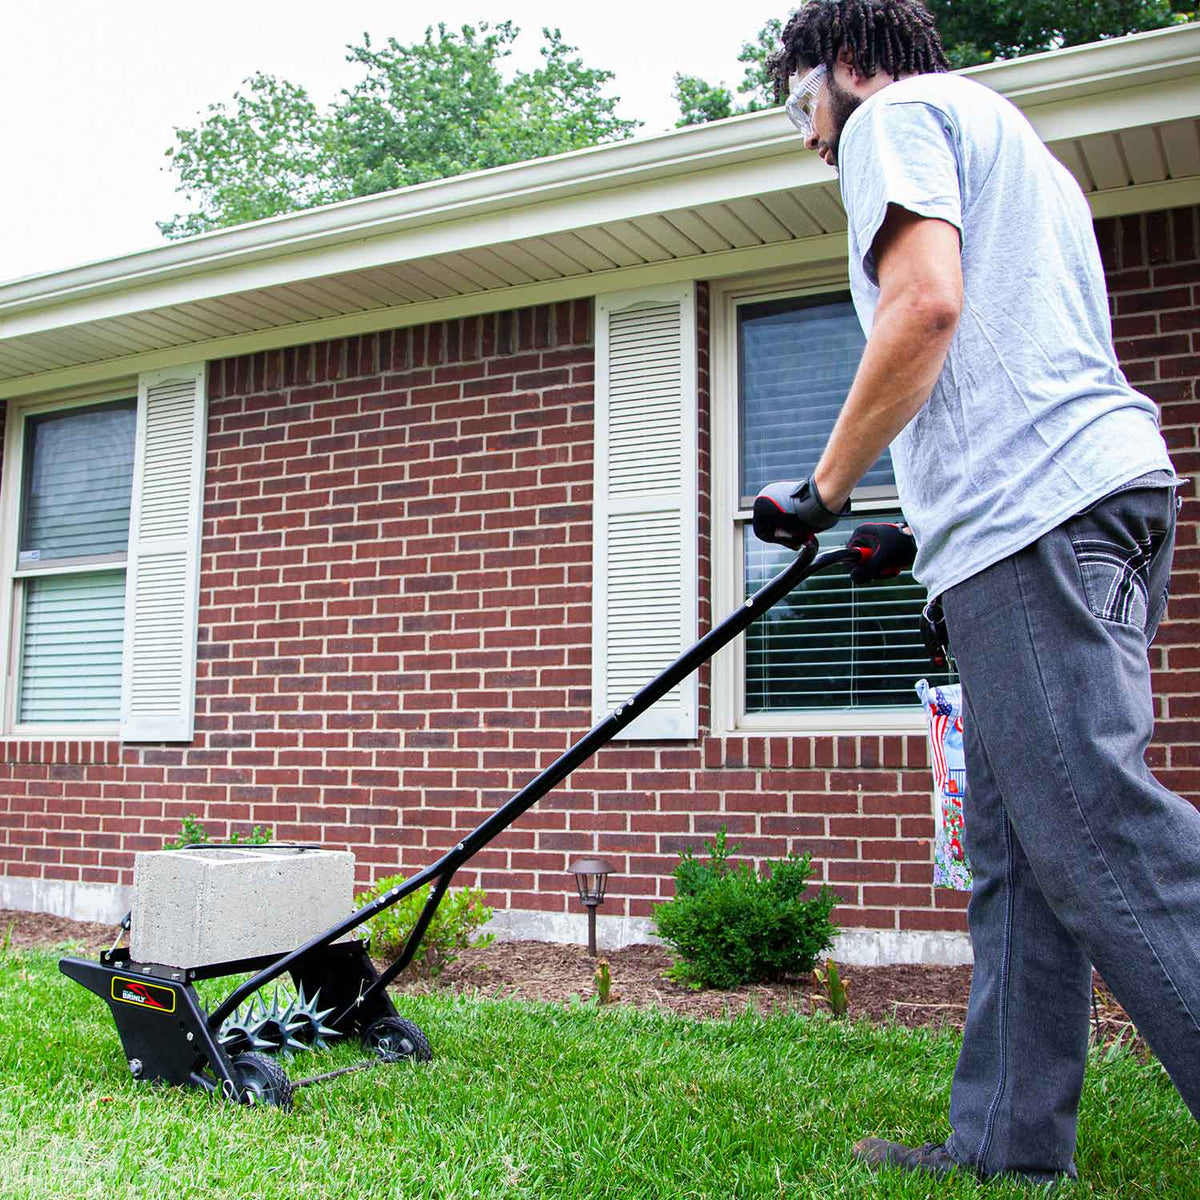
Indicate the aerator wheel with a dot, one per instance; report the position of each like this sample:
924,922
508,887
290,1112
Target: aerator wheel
263,1080
394,1039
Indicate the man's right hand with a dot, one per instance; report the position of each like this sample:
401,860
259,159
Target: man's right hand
792,513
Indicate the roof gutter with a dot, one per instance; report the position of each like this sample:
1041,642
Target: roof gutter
1060,75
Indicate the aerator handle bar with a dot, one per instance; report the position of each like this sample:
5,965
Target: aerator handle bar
806,563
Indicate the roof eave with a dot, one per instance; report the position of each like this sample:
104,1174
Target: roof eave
1054,77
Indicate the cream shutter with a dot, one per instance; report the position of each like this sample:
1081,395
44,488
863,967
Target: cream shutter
163,588
645,557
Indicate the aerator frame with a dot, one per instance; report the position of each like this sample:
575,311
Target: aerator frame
166,1033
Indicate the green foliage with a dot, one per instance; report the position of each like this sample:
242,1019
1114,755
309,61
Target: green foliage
700,101
604,992
456,919
423,111
979,31
835,989
272,152
731,925
191,832
973,31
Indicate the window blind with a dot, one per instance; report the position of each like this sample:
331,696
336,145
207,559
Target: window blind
832,644
796,361
71,648
78,480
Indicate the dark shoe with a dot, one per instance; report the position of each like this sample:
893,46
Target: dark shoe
932,1158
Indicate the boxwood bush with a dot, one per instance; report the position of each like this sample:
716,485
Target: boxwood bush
731,925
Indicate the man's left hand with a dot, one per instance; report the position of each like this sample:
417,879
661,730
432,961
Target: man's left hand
886,549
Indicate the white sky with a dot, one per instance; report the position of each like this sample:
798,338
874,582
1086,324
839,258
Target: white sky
92,90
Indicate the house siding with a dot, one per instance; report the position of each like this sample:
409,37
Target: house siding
395,632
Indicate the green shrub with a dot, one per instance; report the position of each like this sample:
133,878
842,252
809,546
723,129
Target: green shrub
730,925
454,924
191,833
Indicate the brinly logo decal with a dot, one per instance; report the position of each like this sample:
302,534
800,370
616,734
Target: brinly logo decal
145,995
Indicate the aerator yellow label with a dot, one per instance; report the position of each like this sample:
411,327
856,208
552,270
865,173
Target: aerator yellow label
143,994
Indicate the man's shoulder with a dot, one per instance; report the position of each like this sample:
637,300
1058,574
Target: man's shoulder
955,97
937,89
965,109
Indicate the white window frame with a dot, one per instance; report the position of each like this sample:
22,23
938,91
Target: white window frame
729,521
11,575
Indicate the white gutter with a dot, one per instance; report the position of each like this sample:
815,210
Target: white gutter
1141,59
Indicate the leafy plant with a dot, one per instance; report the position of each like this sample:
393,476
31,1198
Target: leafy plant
191,833
455,922
731,925
418,111
972,31
833,987
604,992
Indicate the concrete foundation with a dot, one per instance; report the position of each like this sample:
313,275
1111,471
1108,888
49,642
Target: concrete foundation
855,947
215,905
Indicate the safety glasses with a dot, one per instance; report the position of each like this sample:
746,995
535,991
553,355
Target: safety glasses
803,100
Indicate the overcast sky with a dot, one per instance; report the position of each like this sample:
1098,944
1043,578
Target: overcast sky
91,91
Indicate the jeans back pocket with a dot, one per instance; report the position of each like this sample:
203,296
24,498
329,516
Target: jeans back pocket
1116,544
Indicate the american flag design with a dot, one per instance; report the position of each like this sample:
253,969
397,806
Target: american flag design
943,709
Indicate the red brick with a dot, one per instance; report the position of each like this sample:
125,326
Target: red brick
349,694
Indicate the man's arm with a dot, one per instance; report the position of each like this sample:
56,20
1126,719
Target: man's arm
919,267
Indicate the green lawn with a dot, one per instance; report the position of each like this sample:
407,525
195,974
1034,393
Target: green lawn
527,1100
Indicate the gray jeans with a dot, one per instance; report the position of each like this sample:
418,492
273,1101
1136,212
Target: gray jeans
1080,855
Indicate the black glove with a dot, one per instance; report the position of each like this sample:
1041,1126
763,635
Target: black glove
886,550
792,513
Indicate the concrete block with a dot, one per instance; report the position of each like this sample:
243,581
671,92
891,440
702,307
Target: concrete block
192,908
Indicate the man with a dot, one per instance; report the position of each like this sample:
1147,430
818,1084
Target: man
1042,501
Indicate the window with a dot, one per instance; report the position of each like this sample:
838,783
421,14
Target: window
832,655
69,585
100,508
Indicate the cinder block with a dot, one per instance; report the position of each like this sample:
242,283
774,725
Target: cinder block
192,908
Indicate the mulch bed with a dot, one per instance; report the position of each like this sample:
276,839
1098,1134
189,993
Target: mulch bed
909,995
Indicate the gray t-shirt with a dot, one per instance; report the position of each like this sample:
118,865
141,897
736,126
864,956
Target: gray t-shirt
1031,419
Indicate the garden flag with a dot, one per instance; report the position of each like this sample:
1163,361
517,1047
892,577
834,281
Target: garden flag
944,710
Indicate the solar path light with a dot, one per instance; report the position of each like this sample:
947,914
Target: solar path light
591,874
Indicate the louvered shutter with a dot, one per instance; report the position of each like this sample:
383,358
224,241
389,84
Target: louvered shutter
163,588
645,560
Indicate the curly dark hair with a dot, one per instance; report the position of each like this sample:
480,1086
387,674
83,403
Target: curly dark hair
897,36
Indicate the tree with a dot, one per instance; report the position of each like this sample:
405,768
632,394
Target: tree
272,153
979,31
424,111
700,101
973,31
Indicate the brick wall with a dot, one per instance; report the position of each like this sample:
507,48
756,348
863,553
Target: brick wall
395,632
1153,270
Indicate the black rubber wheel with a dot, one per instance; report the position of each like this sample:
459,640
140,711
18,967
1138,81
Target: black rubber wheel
263,1080
394,1039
